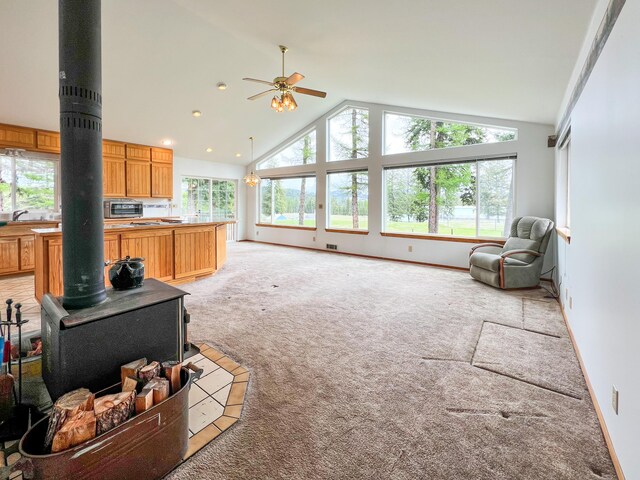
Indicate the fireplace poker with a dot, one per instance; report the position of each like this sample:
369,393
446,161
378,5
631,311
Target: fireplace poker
19,323
7,342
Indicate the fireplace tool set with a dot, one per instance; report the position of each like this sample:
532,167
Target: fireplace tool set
16,416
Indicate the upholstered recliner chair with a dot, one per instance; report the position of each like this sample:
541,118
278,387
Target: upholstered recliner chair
518,263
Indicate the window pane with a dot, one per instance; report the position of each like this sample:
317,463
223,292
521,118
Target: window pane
407,200
35,184
266,205
5,184
495,196
288,201
349,134
300,152
456,199
349,200
195,196
406,133
223,198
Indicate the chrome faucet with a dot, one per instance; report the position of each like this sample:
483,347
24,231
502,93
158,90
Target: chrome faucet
17,214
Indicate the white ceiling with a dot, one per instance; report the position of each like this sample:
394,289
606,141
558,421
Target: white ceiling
162,59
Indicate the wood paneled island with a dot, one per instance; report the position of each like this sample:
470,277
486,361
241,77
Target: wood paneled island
173,252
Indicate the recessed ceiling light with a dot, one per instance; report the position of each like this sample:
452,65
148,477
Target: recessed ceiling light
238,154
167,142
209,149
196,113
221,86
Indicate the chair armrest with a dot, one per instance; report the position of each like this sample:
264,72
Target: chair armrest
481,245
515,252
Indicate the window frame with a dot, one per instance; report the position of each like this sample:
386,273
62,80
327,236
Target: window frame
327,158
258,219
211,180
329,228
287,145
383,137
438,163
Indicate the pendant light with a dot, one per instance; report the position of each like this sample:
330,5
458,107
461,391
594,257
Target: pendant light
252,179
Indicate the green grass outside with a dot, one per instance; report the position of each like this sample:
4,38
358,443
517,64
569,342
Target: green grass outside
461,228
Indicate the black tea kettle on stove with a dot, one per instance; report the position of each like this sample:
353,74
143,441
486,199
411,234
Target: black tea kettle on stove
127,273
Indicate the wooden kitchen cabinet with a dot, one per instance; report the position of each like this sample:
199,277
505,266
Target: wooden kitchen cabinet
113,177
9,255
221,245
113,149
161,155
162,180
138,152
138,178
197,239
27,252
155,246
17,137
48,141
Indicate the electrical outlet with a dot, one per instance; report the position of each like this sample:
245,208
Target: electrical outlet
314,239
614,398
411,248
331,246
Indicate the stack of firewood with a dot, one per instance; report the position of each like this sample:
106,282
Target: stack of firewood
79,416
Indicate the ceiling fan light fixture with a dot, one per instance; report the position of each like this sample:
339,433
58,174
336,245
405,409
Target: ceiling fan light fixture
280,107
274,103
286,99
252,179
292,105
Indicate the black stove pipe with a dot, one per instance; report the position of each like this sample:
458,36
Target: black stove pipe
80,95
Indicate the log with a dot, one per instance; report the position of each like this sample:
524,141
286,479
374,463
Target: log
171,371
112,410
150,371
144,400
132,384
131,369
68,405
161,389
77,428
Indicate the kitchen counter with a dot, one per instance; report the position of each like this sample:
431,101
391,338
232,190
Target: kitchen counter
174,252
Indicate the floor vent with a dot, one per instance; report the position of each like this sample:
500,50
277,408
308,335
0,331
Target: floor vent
331,246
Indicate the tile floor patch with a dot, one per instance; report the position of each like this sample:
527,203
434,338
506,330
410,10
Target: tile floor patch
222,395
207,366
203,414
196,394
215,381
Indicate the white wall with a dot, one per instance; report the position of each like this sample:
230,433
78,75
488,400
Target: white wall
534,187
600,267
188,167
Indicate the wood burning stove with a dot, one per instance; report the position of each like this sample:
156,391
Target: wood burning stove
86,347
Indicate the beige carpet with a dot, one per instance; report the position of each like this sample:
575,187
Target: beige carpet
368,369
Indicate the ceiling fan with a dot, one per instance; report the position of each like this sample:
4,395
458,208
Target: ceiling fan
286,87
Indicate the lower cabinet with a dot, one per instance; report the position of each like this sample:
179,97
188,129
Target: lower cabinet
197,239
17,254
221,245
9,255
155,246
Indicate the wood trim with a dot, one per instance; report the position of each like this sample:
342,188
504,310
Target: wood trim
292,227
373,257
442,238
352,232
565,233
594,400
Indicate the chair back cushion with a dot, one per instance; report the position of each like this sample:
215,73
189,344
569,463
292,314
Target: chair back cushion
529,233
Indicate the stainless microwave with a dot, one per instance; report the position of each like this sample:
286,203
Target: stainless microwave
122,208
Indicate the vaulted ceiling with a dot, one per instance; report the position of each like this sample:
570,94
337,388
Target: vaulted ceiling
162,59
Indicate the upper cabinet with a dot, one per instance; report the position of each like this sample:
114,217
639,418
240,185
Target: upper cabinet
18,137
113,169
138,176
161,172
138,152
48,141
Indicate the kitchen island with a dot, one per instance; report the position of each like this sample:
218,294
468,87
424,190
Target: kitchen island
173,252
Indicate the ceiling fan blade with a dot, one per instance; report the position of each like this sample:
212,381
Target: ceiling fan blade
257,81
258,95
294,78
308,91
